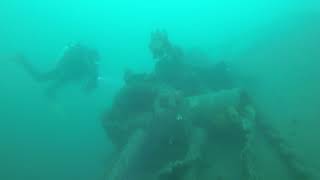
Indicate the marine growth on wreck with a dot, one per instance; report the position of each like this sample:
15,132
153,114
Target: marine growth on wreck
187,122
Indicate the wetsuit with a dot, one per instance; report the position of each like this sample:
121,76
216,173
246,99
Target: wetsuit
78,63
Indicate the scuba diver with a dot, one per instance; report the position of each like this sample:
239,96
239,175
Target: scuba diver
172,67
161,47
77,63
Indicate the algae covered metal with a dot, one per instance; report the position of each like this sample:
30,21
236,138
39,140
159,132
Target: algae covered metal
185,122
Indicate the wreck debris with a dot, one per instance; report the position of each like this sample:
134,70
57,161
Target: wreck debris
167,128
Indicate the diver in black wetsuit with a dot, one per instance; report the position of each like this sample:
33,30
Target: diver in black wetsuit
78,63
172,68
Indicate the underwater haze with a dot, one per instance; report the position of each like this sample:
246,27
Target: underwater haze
272,48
